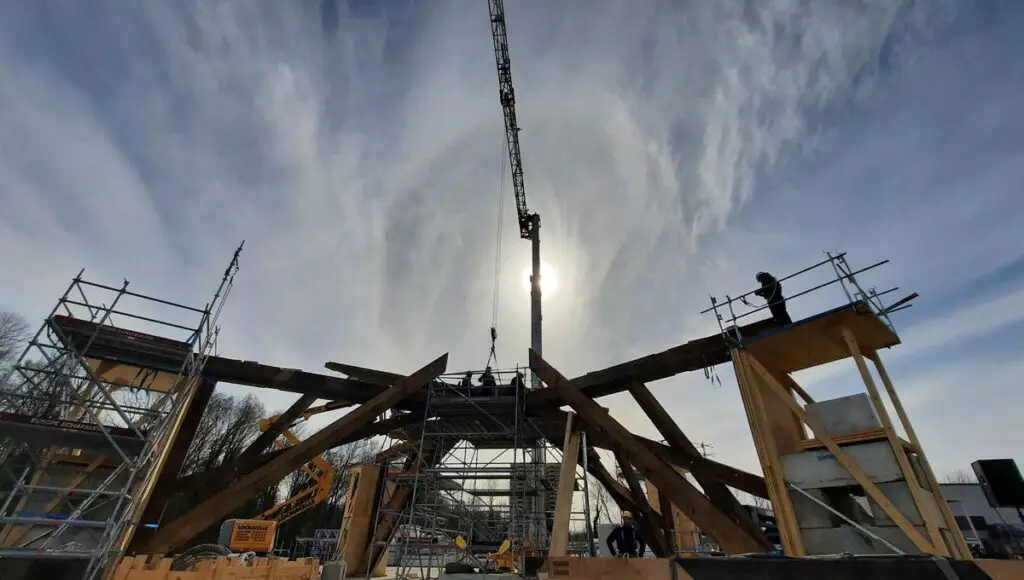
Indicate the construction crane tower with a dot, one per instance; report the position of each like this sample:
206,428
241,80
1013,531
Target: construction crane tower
529,222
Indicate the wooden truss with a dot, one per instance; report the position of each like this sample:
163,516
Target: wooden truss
779,420
375,391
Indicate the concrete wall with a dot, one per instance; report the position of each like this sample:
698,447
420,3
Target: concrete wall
969,499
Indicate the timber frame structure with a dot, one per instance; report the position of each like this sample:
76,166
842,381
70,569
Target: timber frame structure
393,404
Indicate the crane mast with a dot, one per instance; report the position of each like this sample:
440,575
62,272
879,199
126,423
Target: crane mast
529,228
529,223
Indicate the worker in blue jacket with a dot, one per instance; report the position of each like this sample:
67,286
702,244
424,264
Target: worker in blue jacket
625,540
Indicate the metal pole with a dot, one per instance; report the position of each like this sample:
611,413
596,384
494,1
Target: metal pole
538,518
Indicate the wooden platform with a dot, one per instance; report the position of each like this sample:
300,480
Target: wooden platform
818,340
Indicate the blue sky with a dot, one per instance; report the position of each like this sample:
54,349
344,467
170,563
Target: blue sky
672,150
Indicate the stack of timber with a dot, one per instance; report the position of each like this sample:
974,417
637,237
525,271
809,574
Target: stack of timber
224,568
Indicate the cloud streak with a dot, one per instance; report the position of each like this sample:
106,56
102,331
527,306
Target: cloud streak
357,148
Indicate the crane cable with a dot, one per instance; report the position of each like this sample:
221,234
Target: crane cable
497,257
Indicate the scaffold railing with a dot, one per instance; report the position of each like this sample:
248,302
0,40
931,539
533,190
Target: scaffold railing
87,414
732,312
484,484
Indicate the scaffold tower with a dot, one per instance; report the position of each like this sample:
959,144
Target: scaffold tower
473,479
88,414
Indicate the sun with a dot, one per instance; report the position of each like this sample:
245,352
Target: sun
548,280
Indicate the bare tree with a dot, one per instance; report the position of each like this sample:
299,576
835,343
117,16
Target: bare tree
959,476
13,336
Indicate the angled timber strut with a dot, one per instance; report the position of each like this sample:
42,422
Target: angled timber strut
220,505
727,532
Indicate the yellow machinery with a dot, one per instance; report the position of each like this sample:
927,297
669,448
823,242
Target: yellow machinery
248,535
258,534
320,472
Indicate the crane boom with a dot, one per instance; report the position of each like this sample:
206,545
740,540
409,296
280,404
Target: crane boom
527,221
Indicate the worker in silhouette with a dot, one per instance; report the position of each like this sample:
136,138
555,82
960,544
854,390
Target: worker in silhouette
517,381
467,383
771,291
487,382
625,540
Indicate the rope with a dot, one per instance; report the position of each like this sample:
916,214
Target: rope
498,229
497,260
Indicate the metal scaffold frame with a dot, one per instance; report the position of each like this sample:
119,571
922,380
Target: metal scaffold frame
88,414
479,478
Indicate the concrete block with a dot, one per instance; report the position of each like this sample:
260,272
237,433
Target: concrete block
898,493
844,415
848,539
818,468
810,515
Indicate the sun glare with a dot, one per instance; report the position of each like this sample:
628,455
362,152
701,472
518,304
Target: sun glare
548,280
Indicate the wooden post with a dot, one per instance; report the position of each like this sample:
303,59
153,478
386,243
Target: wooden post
566,486
896,444
960,545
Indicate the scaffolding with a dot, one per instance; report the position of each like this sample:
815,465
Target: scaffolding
474,473
88,414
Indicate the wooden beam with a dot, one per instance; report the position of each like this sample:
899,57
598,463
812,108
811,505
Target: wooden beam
566,485
651,526
896,444
693,355
373,376
166,483
221,504
254,374
731,476
716,491
680,492
284,421
964,551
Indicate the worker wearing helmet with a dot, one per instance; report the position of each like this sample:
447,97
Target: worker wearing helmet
625,540
771,291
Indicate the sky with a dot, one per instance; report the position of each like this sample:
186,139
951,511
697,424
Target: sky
672,149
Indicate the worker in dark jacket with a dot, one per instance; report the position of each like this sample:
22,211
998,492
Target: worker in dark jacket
771,291
625,540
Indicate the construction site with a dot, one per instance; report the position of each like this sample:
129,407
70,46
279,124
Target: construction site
482,473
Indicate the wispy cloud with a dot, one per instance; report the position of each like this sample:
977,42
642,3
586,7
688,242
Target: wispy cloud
357,147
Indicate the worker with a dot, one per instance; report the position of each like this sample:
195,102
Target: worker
467,383
625,540
517,381
487,382
487,378
771,291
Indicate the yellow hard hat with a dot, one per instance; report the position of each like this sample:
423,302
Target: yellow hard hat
627,515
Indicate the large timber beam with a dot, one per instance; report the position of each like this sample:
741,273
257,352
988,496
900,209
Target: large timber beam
221,504
283,421
225,474
732,538
690,461
691,356
715,489
254,374
620,495
372,376
165,487
650,523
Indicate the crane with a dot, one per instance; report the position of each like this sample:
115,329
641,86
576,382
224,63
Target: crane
529,222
